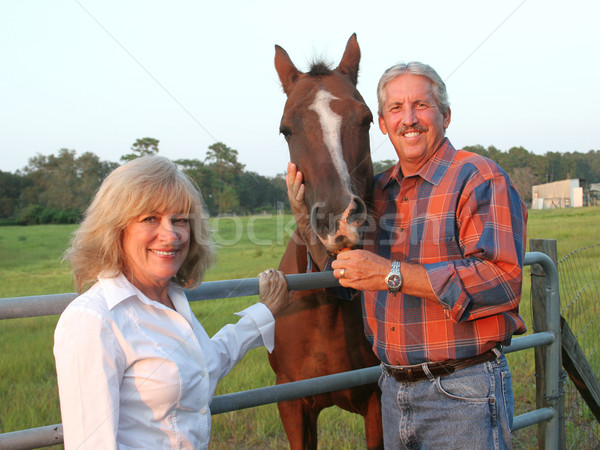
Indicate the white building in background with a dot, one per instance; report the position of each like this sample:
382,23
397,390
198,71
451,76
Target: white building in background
559,194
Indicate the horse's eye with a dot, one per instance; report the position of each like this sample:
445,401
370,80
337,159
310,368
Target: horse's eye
286,131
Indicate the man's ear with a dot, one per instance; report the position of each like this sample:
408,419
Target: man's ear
382,126
447,119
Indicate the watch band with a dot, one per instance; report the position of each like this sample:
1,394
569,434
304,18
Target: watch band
394,279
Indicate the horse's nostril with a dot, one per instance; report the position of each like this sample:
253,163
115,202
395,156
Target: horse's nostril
321,221
358,212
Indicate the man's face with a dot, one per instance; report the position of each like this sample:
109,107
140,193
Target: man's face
413,120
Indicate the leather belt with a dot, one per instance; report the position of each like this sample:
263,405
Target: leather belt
433,370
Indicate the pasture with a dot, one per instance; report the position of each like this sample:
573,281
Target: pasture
30,265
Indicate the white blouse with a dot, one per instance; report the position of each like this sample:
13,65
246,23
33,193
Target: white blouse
133,373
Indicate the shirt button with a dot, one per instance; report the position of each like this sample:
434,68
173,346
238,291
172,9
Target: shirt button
405,198
204,411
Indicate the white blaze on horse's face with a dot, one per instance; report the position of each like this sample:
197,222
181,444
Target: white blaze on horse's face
331,124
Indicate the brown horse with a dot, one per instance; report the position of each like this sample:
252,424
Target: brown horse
326,124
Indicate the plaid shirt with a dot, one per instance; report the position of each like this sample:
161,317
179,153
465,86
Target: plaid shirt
462,218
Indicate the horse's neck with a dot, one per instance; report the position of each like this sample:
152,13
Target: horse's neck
311,256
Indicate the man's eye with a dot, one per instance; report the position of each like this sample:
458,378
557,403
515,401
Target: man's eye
422,105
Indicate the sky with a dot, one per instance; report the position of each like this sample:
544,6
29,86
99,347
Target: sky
94,76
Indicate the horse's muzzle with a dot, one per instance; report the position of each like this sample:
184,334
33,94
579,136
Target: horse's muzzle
341,230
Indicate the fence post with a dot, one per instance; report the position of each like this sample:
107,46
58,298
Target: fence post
540,316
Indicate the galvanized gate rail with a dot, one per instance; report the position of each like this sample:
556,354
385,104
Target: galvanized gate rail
55,304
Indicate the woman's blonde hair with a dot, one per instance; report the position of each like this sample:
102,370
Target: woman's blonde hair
143,185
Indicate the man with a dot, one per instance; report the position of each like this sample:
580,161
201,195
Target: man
440,274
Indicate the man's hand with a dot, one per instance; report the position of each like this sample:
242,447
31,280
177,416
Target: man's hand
366,271
361,270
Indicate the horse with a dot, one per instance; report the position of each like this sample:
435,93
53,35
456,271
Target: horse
326,125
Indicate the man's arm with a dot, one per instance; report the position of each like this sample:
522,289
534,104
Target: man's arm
485,282
366,271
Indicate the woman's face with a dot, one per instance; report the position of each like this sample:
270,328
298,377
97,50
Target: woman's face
155,246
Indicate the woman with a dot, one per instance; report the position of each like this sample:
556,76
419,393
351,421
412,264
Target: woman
135,367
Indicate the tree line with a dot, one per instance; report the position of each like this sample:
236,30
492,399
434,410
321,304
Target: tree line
58,188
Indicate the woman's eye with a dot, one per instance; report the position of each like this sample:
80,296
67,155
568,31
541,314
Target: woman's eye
149,219
181,221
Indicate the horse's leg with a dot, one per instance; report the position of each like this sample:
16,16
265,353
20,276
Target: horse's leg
300,424
373,427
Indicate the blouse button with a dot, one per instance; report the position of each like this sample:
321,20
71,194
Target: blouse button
203,411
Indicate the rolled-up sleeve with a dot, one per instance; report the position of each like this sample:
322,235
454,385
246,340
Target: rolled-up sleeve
491,234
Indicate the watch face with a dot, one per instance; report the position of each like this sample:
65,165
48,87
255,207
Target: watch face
394,281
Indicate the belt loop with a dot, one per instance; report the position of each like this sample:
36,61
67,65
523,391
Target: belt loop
385,370
498,352
427,372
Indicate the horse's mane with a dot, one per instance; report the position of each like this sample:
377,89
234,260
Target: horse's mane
319,67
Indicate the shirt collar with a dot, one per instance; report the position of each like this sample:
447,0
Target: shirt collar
432,171
119,288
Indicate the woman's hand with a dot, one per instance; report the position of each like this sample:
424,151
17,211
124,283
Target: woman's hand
294,181
295,191
273,290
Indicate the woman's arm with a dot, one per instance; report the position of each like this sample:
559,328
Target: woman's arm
89,372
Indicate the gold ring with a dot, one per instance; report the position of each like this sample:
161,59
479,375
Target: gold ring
342,272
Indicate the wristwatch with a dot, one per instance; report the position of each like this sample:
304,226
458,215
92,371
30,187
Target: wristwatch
394,279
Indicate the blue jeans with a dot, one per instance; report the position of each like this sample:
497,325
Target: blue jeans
469,409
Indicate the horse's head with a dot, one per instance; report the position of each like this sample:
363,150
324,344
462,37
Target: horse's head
326,125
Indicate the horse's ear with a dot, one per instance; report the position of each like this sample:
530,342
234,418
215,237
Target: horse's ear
288,74
349,63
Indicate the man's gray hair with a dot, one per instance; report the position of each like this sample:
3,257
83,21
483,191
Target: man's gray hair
439,92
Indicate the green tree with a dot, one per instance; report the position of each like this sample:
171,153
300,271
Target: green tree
558,168
380,166
586,166
64,182
223,161
256,192
204,177
11,189
523,179
479,149
142,147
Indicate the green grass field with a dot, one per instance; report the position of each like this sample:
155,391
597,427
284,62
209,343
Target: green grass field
30,265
